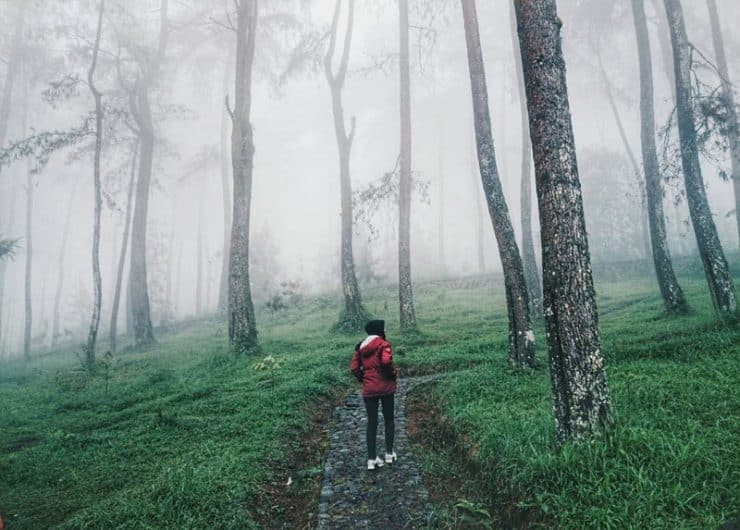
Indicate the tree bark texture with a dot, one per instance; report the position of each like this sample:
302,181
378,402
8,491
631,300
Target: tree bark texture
531,273
140,310
521,335
354,316
728,94
122,258
670,290
580,391
92,335
242,325
405,294
716,270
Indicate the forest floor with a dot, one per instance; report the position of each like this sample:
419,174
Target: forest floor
182,435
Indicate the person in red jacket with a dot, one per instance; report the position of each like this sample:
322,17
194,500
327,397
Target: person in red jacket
372,364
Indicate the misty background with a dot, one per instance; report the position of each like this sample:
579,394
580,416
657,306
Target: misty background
295,220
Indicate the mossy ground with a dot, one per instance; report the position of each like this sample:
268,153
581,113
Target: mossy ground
187,436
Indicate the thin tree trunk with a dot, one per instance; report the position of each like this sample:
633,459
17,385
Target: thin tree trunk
242,325
716,270
354,314
11,72
122,259
92,334
60,284
441,210
141,109
580,391
521,336
670,290
199,266
644,223
223,291
480,215
733,135
531,273
29,260
405,294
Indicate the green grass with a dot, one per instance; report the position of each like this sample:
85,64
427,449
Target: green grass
671,460
188,437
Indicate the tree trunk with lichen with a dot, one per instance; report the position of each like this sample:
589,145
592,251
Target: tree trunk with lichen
580,392
531,273
354,315
673,298
405,293
717,272
733,134
242,324
521,335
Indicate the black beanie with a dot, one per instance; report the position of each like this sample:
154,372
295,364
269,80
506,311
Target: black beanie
375,327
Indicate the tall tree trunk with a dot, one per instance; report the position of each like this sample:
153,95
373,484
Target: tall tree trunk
733,136
141,109
531,273
670,290
521,336
223,291
92,335
242,325
580,391
138,283
60,283
29,260
11,72
644,223
122,258
480,215
6,99
441,209
199,266
354,315
716,270
405,294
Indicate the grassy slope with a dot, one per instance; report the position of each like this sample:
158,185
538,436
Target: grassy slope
671,460
186,436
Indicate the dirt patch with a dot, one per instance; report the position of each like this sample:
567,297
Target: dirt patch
290,500
452,474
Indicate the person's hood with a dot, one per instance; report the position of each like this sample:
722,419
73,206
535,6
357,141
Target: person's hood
370,344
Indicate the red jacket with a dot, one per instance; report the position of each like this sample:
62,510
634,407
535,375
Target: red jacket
372,364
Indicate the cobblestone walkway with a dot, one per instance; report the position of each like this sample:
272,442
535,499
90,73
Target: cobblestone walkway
354,497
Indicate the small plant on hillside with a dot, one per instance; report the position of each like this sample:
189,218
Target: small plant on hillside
266,369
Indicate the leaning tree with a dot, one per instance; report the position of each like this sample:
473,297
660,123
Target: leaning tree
673,298
716,270
577,372
521,336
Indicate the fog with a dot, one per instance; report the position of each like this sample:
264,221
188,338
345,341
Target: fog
296,212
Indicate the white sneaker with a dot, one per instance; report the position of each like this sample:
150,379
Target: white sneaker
390,458
373,464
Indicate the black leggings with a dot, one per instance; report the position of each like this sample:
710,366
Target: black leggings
371,406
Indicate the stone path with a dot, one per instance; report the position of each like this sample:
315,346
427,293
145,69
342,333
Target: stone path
354,497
